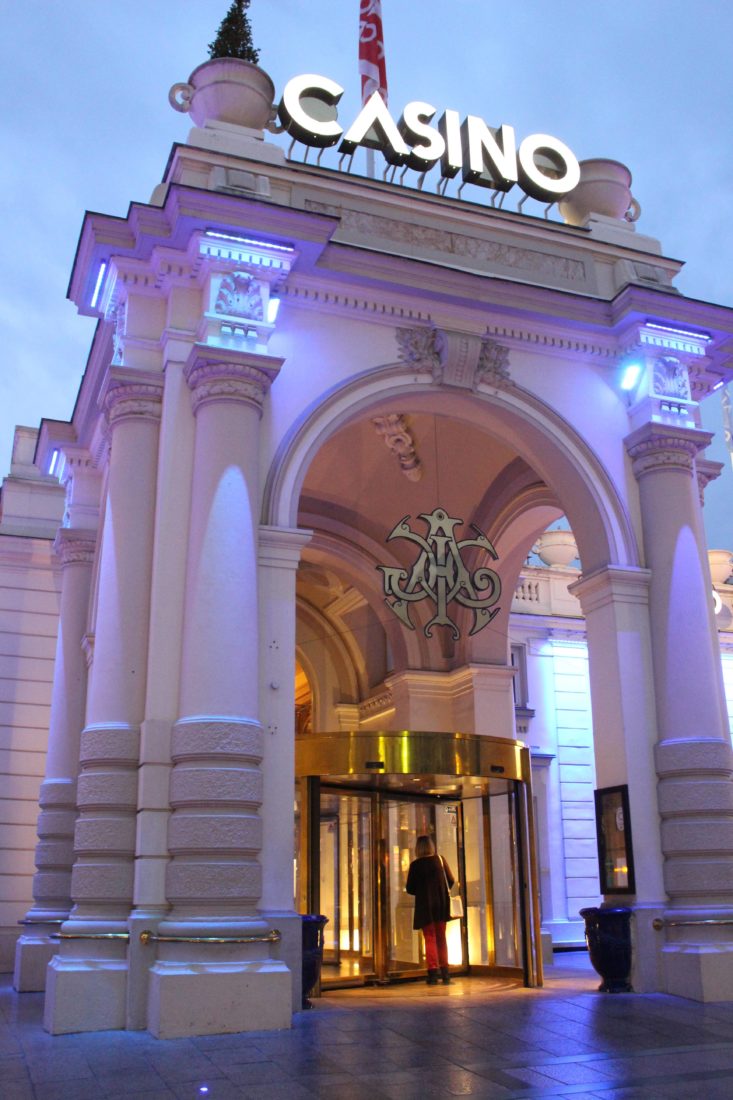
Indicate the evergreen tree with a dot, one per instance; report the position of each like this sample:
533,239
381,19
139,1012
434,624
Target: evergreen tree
234,38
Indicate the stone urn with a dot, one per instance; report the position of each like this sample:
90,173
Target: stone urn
226,89
721,565
605,189
557,548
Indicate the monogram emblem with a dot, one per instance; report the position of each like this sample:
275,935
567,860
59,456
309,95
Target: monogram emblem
441,575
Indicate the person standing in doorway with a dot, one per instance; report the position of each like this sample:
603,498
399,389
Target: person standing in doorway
428,880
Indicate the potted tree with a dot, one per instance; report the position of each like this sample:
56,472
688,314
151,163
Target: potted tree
230,87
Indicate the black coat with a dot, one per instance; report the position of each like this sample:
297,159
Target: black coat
425,879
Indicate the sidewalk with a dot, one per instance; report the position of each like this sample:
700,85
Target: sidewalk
477,1037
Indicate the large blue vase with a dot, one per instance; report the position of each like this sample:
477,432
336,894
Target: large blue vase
313,925
608,935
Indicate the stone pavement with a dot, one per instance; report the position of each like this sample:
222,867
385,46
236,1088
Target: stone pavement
477,1037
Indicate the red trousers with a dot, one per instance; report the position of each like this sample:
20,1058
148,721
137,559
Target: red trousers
436,949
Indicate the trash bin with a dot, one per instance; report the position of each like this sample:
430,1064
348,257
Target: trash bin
313,926
608,935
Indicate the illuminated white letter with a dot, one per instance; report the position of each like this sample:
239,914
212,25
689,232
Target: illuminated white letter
375,128
308,110
489,156
547,168
414,124
450,130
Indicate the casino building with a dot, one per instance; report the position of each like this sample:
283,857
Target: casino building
272,599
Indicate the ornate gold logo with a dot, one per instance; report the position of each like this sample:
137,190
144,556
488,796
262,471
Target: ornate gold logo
441,575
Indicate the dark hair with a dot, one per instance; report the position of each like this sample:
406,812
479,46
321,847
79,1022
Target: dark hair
424,846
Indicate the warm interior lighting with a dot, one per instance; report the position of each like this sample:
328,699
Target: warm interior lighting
630,376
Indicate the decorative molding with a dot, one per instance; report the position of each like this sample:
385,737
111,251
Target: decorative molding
74,547
671,378
493,363
655,447
240,295
706,471
217,376
480,252
383,700
418,346
398,439
131,394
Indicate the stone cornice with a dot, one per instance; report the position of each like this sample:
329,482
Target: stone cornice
281,547
131,394
216,375
655,447
706,471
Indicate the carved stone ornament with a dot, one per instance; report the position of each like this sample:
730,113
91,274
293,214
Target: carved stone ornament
440,574
240,295
118,336
493,363
663,452
396,435
213,380
74,547
671,378
130,397
417,346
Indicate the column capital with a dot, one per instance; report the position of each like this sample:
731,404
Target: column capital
707,471
663,446
225,374
130,393
75,546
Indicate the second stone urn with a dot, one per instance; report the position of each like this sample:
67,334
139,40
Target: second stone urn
226,89
605,189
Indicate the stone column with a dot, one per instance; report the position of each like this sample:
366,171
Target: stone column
87,979
615,603
55,849
279,554
214,880
694,761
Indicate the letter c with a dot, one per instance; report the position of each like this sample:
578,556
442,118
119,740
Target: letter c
308,112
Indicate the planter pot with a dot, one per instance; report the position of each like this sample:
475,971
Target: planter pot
721,564
604,188
608,935
557,548
226,89
313,926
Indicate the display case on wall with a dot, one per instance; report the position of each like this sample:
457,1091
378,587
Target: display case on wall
613,831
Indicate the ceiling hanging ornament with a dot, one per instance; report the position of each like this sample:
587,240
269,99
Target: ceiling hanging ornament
440,574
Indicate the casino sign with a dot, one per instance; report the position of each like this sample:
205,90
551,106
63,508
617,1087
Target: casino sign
543,166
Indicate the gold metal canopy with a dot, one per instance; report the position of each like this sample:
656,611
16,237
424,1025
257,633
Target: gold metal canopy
371,755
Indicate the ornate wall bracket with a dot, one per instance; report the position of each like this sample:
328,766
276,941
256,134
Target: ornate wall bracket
459,359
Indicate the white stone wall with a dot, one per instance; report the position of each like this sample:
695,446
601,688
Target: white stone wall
28,627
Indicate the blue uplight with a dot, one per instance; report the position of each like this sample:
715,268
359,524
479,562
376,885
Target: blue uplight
273,306
630,376
98,284
53,463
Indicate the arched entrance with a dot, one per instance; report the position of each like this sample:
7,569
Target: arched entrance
499,463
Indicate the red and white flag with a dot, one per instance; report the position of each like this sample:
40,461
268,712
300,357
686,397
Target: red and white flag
372,65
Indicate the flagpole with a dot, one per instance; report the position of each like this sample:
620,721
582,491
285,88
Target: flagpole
372,63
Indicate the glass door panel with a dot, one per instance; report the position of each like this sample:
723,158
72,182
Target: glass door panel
346,885
500,813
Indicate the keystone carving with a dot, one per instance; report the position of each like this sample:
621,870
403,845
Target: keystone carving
457,359
399,441
240,295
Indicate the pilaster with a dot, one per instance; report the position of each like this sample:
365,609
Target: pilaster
57,805
214,879
693,756
87,979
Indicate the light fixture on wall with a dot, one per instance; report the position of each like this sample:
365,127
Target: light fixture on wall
273,307
630,377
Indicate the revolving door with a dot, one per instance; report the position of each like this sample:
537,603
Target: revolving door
362,801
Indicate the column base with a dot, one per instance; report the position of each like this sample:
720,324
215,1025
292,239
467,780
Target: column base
33,953
85,995
194,998
700,972
290,948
